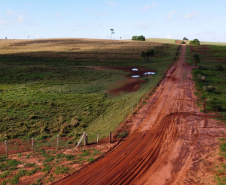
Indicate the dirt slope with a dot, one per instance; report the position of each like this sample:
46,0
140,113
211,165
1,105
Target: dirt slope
171,138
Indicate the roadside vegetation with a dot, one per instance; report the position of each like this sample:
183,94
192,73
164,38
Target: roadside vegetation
210,77
47,87
44,166
210,81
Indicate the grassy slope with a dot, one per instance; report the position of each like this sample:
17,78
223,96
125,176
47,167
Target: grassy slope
46,89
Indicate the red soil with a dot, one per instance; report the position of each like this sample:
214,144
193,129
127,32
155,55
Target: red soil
171,138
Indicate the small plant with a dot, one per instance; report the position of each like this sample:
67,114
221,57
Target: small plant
61,170
13,163
29,164
15,179
4,174
70,157
28,156
60,156
123,134
85,153
96,152
49,159
91,159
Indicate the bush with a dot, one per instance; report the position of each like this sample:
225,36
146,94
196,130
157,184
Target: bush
141,38
195,42
61,170
215,104
123,134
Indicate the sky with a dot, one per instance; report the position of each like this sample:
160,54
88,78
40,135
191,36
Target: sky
37,19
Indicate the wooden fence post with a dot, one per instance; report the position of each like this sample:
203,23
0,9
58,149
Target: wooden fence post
6,149
98,138
32,144
57,142
110,137
85,139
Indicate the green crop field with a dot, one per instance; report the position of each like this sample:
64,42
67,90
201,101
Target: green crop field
47,87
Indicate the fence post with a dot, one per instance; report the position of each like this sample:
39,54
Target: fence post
98,138
132,109
32,144
110,137
80,139
85,139
6,149
57,142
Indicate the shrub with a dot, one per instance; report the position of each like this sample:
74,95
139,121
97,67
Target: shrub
49,159
4,174
91,159
215,104
195,42
13,163
122,134
61,170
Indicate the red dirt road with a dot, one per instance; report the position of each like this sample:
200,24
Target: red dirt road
171,137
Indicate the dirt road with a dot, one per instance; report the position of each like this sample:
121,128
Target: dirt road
170,139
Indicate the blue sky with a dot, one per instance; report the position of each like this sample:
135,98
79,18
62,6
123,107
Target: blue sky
202,19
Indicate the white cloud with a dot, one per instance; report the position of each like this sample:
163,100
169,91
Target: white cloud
10,12
147,6
112,3
142,25
153,5
2,21
20,18
169,36
170,15
144,9
191,15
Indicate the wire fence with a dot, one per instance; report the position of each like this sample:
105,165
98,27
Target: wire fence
13,146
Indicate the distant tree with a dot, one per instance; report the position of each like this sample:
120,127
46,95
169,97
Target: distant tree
5,37
185,38
196,59
140,38
195,42
112,32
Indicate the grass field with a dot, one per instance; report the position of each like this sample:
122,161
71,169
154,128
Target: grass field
210,78
47,88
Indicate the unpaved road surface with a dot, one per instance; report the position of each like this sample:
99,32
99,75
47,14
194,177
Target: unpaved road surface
171,138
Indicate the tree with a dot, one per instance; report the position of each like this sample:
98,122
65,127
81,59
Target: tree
196,59
195,42
185,38
141,38
112,32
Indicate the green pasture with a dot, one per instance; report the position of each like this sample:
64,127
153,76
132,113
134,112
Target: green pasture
44,96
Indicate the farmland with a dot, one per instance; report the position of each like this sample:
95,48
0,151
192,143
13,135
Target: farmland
50,87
